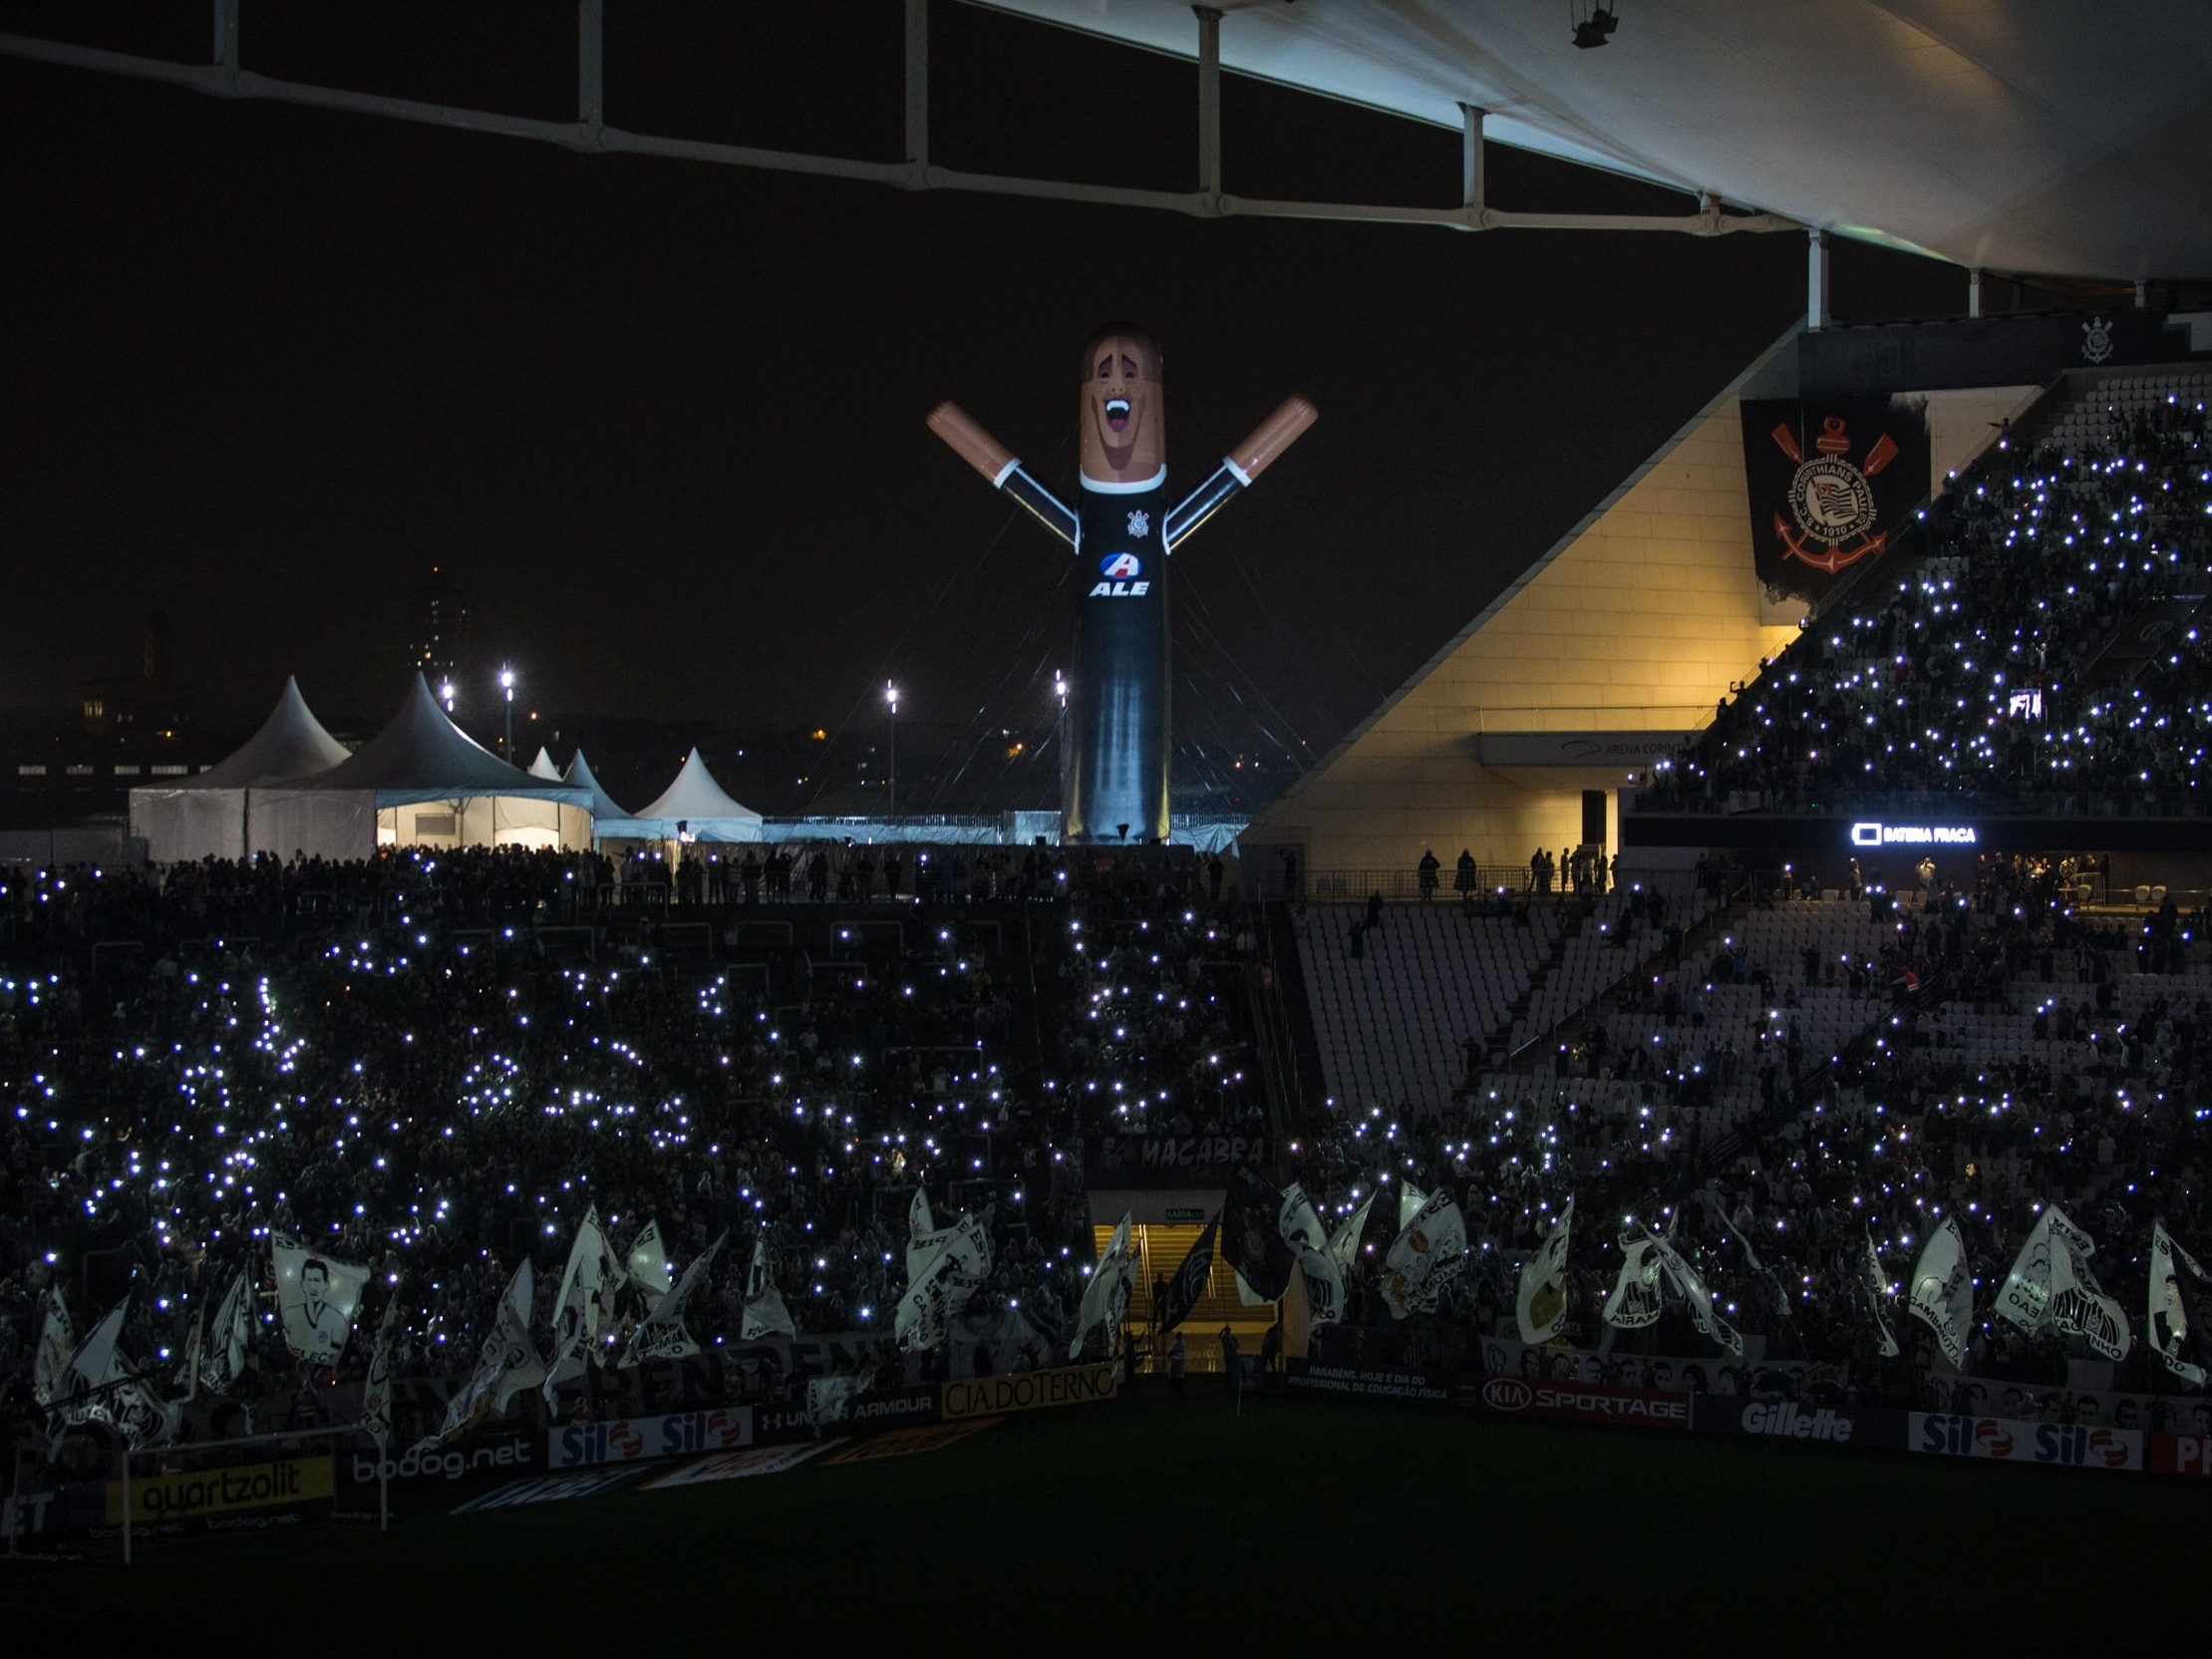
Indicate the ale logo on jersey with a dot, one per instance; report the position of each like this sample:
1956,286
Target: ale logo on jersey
1120,571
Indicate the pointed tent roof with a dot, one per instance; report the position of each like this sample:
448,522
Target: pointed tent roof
544,767
424,755
603,808
696,797
291,744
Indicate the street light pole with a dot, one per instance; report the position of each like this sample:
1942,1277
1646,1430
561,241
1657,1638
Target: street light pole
890,696
507,689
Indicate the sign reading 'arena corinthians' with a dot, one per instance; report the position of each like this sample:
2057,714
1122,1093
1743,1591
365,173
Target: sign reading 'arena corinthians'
1027,1390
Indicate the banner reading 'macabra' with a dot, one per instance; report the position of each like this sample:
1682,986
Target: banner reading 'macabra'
1831,483
1027,1390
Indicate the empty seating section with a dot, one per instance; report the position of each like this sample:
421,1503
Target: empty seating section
1394,1021
2089,422
1610,948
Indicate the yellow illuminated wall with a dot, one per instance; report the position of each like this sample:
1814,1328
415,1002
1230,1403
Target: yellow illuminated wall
1639,619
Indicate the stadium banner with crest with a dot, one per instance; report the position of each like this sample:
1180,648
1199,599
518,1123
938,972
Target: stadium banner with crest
1831,482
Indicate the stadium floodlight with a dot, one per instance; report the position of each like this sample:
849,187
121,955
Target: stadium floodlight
506,690
1596,29
890,794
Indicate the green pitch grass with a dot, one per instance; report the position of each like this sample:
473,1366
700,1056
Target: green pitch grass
1153,1523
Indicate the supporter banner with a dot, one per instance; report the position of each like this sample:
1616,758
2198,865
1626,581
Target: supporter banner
316,1298
1831,483
1874,1426
1424,1386
2082,1445
1431,1250
2180,1454
1189,1282
1941,1295
1026,1391
1106,1295
1123,1157
551,1489
1582,1402
1540,1302
1252,1239
1635,1302
1300,1225
739,1466
432,1463
209,1494
634,1439
2172,1305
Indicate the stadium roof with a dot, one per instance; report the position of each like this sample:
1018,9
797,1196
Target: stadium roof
290,744
2008,135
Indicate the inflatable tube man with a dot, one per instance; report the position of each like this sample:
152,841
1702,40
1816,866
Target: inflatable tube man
1114,769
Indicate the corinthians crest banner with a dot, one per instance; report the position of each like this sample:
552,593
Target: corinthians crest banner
1832,481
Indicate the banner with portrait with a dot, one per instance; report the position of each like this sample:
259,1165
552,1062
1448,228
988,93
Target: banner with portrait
317,1297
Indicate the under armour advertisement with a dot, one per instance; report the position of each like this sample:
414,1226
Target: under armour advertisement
1832,483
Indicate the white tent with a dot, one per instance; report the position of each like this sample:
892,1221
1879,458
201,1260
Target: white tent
543,767
211,815
424,782
609,820
693,807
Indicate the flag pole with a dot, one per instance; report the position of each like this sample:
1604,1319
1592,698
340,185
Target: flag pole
125,1503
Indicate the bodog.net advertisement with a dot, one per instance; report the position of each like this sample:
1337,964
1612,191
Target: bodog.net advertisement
1026,1391
242,1494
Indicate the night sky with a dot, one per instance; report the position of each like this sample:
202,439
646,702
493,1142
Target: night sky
663,420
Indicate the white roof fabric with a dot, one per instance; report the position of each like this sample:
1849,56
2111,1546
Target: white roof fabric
543,767
424,755
291,744
698,802
603,808
2008,135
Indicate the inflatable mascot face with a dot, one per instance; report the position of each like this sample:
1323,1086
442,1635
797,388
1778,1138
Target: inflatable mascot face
1124,439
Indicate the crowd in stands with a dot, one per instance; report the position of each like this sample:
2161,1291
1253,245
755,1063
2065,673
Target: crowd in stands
399,1063
1991,1050
1989,662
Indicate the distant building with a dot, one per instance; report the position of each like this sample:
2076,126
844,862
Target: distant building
440,648
148,705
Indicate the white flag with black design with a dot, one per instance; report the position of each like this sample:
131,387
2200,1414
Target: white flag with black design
1636,1299
1942,1296
1877,1291
1410,1201
57,1341
765,1313
316,1299
944,1269
94,1364
376,1393
1105,1296
507,1361
1702,1314
1308,1239
224,1361
2079,1305
1431,1250
1344,1244
662,1335
1540,1303
587,1304
2171,1302
648,1264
